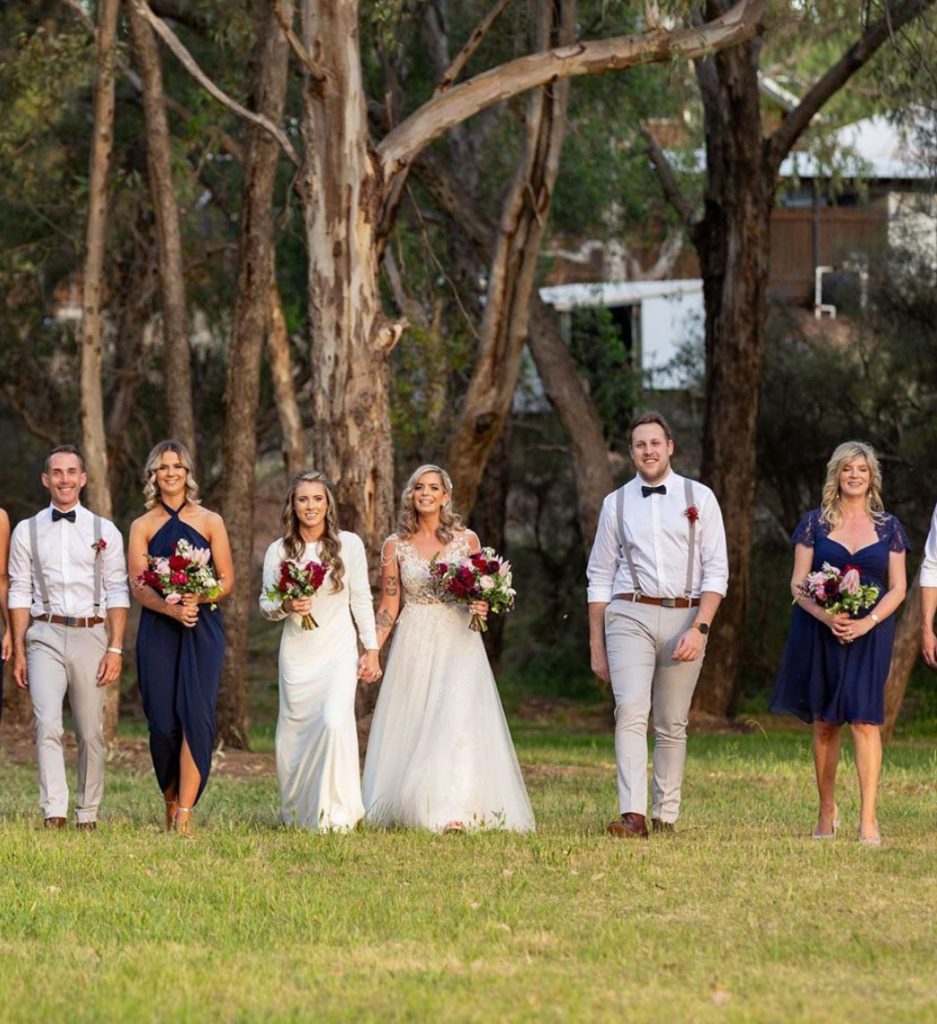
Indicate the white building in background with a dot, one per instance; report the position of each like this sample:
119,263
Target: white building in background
658,319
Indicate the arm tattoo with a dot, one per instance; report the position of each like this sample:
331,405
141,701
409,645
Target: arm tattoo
390,586
384,620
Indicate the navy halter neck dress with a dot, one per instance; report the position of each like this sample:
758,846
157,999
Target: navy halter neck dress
179,669
821,679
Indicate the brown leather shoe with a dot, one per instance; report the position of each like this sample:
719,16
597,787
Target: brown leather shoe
86,826
55,823
662,826
628,826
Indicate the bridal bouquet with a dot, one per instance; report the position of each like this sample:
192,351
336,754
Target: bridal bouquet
299,579
482,576
187,570
838,590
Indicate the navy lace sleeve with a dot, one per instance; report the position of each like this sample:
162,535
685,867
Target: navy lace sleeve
806,531
895,535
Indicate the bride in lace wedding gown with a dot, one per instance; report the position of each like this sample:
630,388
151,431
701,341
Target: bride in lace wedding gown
440,754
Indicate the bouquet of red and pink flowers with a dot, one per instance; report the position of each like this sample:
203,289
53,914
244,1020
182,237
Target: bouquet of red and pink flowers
299,579
188,570
482,576
837,590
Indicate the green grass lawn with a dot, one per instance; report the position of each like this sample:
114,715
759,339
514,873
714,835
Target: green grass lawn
740,917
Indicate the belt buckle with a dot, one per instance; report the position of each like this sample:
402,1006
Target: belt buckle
70,620
668,602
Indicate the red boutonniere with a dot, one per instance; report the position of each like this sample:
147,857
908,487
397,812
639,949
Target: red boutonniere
692,513
98,546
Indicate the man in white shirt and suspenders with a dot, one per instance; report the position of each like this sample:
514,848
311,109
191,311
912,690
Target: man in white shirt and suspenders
67,573
657,574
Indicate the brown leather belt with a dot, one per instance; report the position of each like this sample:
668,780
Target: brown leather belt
67,620
661,602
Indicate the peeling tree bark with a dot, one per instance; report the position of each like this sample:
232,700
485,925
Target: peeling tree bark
94,442
177,368
242,395
343,190
284,390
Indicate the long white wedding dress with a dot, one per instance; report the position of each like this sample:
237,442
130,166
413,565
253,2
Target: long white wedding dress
440,750
316,738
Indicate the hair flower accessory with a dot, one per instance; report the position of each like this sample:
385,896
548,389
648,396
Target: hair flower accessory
692,513
99,545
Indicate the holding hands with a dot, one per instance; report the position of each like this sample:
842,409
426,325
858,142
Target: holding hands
369,667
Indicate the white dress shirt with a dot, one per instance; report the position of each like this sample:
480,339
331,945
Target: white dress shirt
67,553
929,562
657,529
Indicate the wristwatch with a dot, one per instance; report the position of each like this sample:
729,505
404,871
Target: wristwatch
703,627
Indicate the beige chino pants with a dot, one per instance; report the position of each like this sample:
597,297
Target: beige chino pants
640,640
60,660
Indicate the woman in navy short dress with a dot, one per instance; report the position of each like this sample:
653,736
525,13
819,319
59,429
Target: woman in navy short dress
835,666
180,646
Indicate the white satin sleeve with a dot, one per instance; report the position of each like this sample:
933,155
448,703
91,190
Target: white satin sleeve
272,607
359,589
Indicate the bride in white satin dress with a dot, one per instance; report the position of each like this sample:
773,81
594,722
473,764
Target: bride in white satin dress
440,754
317,739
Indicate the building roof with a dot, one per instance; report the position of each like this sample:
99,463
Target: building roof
873,148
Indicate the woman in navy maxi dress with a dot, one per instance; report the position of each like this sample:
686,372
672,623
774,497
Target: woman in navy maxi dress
834,667
180,647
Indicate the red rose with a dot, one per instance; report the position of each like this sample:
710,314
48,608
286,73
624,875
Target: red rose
692,513
178,562
493,568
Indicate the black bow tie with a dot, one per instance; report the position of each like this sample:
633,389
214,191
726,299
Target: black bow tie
57,514
660,489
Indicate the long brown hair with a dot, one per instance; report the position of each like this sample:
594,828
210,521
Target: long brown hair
407,519
293,544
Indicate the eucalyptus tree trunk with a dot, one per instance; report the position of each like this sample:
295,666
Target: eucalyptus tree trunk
514,262
343,195
732,243
94,441
577,413
242,395
904,654
284,389
177,369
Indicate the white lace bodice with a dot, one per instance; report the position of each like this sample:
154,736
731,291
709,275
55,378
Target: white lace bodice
418,585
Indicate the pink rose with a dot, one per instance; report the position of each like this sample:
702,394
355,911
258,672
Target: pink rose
486,583
850,582
173,598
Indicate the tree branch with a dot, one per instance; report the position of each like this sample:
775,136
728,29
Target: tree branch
36,427
467,52
231,145
316,72
440,113
667,178
856,57
190,64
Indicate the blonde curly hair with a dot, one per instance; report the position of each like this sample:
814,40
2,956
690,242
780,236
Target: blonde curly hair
407,519
831,503
151,495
